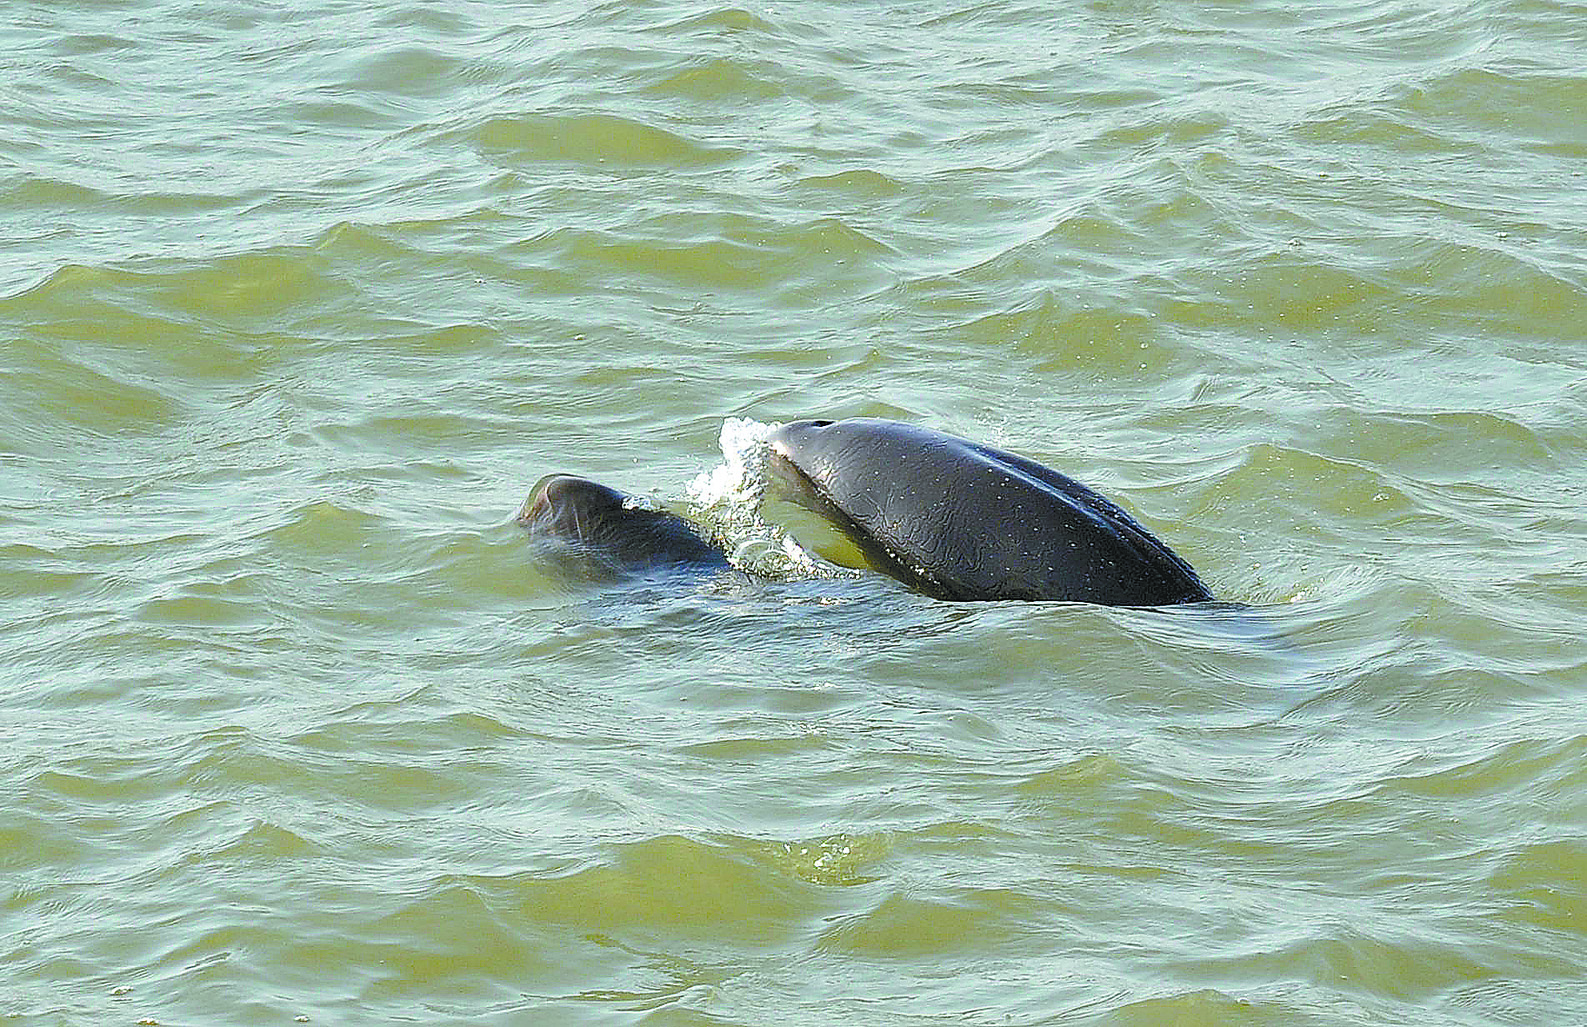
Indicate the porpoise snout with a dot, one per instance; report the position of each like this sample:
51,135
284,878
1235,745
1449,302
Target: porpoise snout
555,494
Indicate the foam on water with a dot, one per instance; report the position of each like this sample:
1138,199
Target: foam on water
728,499
741,477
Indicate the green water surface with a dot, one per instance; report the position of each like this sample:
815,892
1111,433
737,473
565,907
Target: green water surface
298,300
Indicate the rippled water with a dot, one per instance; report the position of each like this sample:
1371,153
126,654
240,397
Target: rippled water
297,301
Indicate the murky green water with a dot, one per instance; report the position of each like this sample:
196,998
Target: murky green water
297,301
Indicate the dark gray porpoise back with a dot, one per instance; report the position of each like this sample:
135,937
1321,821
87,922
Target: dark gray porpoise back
960,520
596,526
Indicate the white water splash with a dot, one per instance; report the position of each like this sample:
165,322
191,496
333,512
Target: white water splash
728,497
741,478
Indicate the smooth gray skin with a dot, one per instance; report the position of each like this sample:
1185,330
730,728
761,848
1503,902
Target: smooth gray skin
959,520
595,525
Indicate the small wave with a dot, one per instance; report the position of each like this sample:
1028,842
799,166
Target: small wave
718,82
720,21
862,183
914,926
592,139
841,859
727,252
